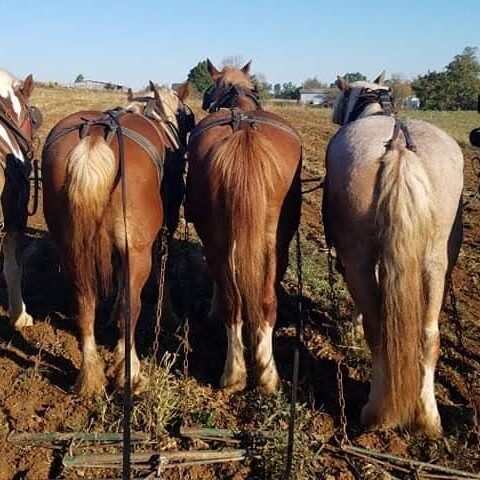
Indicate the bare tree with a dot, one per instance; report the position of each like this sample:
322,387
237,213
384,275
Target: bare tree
237,61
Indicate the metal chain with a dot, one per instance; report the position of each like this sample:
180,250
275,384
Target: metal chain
162,255
186,324
343,436
455,317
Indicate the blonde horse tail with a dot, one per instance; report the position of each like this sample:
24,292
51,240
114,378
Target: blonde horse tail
91,169
245,168
405,222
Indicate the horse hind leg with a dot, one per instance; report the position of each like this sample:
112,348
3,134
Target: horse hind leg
91,379
266,373
428,418
140,266
228,305
12,271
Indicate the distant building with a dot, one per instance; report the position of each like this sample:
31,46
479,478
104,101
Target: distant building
315,96
412,103
98,85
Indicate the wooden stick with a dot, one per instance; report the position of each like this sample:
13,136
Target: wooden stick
149,459
55,437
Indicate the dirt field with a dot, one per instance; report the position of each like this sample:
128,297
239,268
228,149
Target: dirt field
38,366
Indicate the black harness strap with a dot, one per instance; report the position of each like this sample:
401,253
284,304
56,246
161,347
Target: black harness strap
401,126
111,124
235,116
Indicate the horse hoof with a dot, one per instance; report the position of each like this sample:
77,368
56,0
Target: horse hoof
431,427
139,385
90,385
269,385
370,418
234,384
24,320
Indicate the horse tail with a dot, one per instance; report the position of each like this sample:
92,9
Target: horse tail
405,222
91,169
245,169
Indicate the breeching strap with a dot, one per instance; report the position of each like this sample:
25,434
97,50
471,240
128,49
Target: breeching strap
127,389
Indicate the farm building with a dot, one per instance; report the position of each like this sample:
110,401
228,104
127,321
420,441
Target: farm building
98,85
314,96
412,103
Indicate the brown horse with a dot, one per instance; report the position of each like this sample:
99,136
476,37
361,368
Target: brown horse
18,122
392,208
83,207
244,198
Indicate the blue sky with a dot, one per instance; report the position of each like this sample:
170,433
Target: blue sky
129,42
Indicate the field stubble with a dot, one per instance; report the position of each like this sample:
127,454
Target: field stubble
38,366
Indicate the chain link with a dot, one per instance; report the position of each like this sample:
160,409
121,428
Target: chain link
455,317
343,440
186,324
162,257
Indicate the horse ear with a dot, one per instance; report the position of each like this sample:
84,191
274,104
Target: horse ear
153,89
246,67
380,79
341,83
129,95
214,73
183,91
27,86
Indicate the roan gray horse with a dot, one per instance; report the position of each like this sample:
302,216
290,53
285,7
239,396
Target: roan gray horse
392,209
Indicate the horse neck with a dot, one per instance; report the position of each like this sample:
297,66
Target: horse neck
371,109
245,103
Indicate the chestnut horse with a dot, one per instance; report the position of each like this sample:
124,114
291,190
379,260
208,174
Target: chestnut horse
18,122
83,207
392,210
244,198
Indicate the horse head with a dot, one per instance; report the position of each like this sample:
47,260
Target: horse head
228,86
361,99
167,107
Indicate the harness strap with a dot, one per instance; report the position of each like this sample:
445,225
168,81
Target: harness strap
401,126
234,118
112,126
24,143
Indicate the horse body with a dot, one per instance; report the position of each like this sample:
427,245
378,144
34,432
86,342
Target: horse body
244,198
16,135
83,207
393,214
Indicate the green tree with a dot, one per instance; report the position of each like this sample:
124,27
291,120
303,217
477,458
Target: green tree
313,83
463,75
289,91
79,78
401,89
277,90
456,88
261,84
354,77
199,77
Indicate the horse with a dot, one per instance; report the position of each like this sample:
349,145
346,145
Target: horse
18,124
244,199
83,207
392,211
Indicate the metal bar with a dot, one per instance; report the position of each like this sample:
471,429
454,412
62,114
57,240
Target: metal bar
139,460
408,461
222,433
54,437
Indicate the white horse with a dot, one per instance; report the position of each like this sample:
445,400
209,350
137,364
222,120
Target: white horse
392,208
16,134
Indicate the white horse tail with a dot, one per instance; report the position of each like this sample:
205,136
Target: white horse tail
405,223
91,170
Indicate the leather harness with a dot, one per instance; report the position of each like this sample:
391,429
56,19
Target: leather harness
235,117
110,122
383,97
